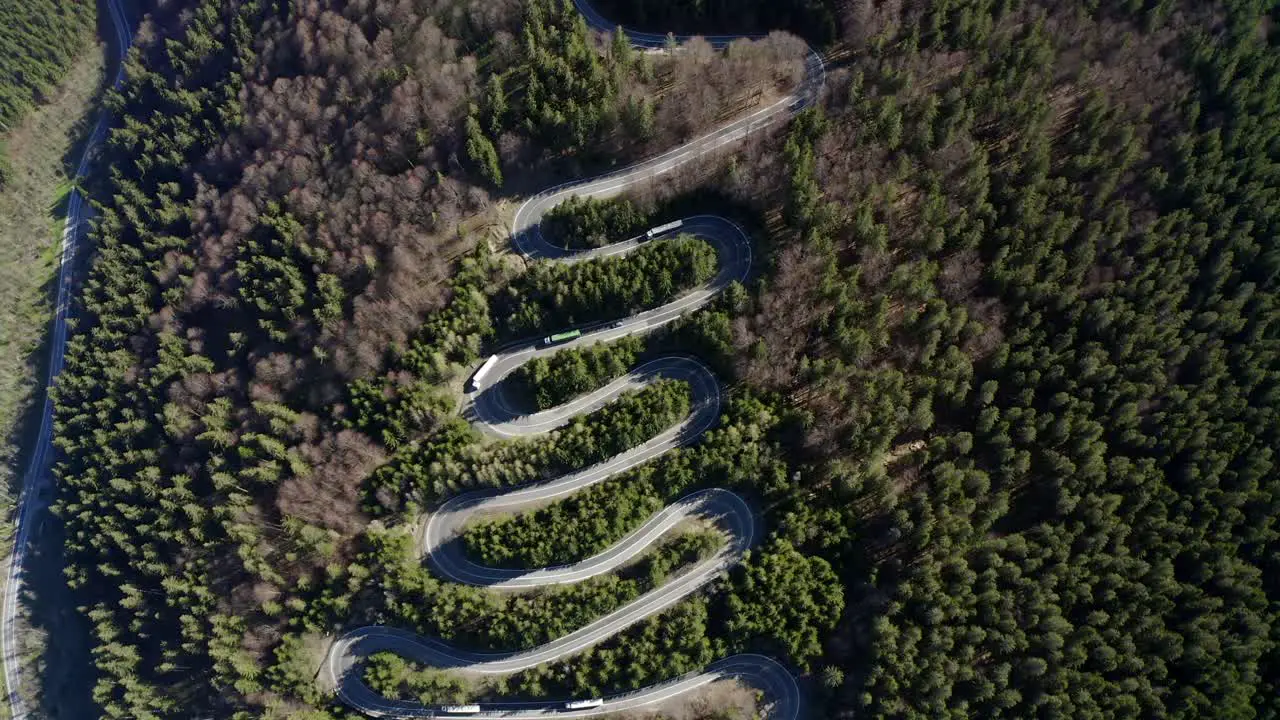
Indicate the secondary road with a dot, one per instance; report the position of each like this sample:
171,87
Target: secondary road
35,495
491,408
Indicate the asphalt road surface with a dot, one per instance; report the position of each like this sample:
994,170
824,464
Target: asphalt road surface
36,486
492,409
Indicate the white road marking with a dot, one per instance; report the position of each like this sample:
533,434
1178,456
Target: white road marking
439,535
762,671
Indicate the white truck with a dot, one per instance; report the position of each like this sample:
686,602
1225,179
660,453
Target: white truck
663,229
484,370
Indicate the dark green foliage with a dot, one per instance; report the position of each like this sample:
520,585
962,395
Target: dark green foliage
673,555
569,89
814,19
126,517
1036,379
38,40
1094,454
191,413
784,599
392,676
573,99
409,402
571,530
555,295
293,669
575,371
282,277
6,165
708,333
272,228
482,153
412,597
496,104
589,223
454,335
638,118
455,458
1009,375
735,455
652,651
394,413
804,195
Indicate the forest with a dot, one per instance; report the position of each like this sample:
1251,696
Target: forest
39,40
1004,384
553,295
576,371
455,457
588,222
678,641
812,19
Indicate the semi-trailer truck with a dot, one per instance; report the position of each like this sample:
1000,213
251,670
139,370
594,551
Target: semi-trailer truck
561,337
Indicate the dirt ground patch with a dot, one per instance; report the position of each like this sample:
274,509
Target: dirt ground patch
723,700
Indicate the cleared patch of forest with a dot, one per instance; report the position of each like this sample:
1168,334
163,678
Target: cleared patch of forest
38,148
39,40
30,227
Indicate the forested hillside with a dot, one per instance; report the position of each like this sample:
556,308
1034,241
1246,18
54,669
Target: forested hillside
1039,365
814,19
1004,384
38,40
295,262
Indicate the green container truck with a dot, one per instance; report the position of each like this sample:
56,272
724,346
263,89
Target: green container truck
561,337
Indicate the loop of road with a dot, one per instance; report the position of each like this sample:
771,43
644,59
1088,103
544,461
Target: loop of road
489,407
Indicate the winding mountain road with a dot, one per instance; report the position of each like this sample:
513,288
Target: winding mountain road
491,409
36,485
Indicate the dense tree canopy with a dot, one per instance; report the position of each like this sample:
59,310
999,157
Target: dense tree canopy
786,598
554,295
588,222
38,41
455,458
1003,386
1037,364
574,371
815,19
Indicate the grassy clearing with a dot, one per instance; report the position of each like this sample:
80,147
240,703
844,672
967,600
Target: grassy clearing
31,207
32,204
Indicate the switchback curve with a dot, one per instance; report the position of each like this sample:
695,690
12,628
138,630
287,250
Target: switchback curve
493,412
